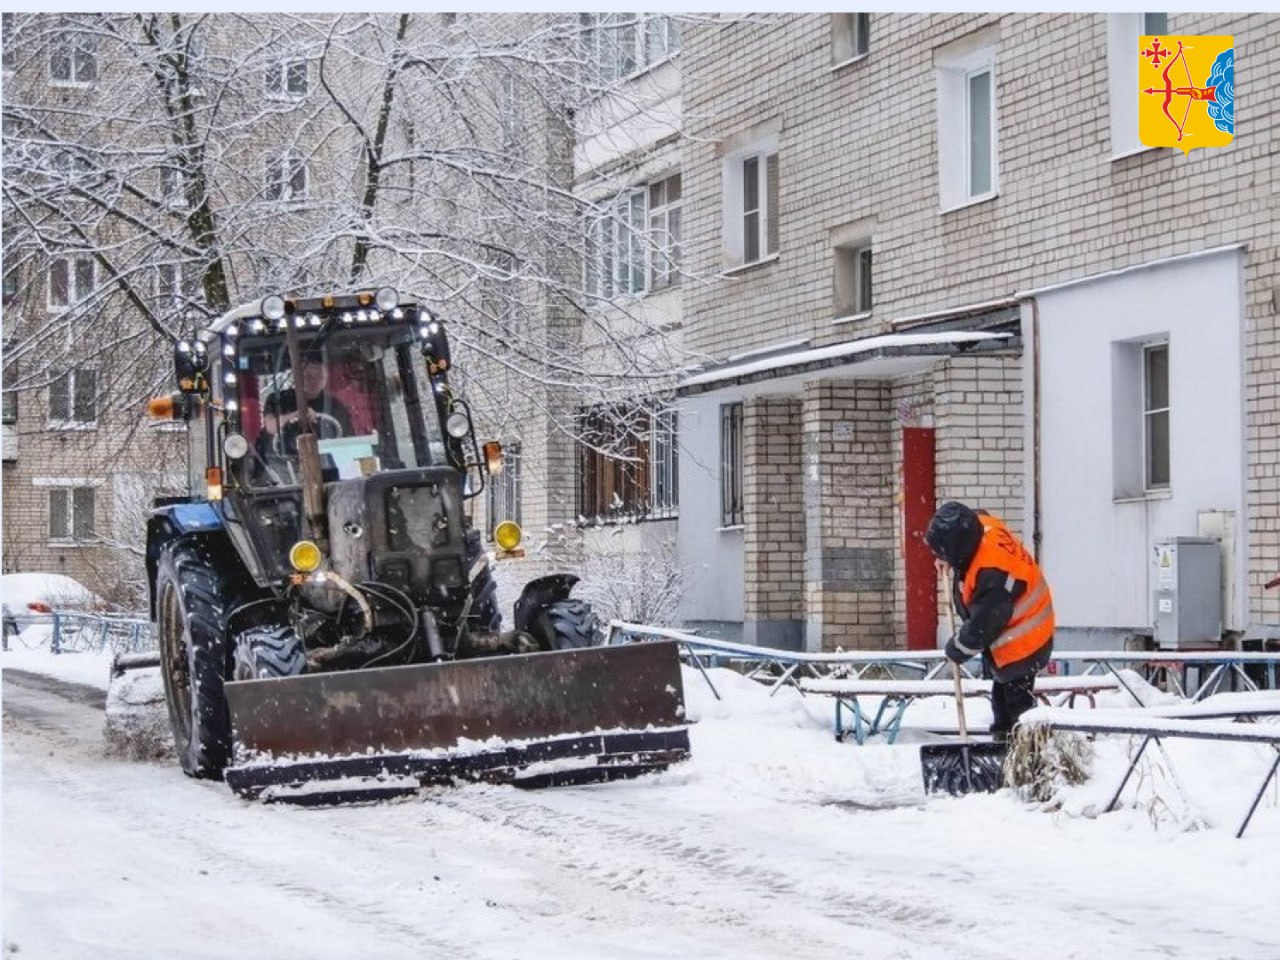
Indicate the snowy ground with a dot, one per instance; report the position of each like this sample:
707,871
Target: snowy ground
774,841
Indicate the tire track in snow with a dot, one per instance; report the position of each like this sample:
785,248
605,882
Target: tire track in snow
204,834
687,870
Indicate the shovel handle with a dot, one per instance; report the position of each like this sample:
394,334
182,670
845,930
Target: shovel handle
955,673
964,730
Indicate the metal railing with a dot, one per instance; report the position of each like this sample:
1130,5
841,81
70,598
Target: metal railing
75,632
1218,670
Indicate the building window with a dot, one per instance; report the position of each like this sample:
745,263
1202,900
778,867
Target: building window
9,398
731,506
621,44
73,58
287,79
616,247
172,187
664,232
1124,42
967,154
71,280
628,463
751,204
850,36
625,258
1155,415
497,284
286,177
71,512
7,21
504,490
73,398
175,286
853,278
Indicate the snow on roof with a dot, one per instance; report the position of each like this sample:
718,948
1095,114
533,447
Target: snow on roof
853,348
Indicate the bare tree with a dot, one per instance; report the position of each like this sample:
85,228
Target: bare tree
159,168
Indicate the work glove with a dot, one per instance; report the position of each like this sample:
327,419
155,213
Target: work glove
954,653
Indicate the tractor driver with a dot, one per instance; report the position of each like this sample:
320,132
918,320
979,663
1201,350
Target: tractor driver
280,428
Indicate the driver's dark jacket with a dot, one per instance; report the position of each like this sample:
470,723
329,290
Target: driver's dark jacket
280,405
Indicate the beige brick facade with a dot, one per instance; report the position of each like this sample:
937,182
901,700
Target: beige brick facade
858,149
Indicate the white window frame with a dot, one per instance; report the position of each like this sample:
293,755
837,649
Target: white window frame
279,76
732,436
850,37
1124,35
665,203
74,293
664,462
854,277
174,286
954,69
283,172
621,46
1149,413
69,490
173,187
73,420
81,55
617,248
736,213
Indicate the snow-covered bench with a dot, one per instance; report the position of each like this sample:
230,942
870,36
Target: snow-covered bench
896,695
1226,717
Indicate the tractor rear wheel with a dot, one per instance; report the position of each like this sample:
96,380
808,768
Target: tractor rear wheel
266,652
192,598
566,625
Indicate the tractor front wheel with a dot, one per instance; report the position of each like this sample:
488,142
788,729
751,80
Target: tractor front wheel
566,625
191,599
266,652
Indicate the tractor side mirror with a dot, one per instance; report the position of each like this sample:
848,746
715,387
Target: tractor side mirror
191,366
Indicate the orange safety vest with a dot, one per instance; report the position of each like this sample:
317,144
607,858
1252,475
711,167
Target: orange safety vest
1032,623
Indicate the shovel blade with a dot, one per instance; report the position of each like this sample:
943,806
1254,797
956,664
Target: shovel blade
960,768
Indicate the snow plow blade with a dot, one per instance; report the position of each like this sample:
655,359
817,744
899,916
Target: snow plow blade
540,719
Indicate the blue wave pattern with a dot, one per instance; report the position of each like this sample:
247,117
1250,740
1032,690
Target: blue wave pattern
1222,77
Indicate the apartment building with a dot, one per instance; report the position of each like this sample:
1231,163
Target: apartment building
947,268
158,171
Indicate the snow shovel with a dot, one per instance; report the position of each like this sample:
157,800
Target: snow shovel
967,766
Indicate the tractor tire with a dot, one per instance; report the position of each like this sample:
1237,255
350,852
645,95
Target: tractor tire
263,653
566,625
192,598
484,617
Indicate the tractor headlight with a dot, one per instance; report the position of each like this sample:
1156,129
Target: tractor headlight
457,424
235,446
507,534
387,299
273,307
304,556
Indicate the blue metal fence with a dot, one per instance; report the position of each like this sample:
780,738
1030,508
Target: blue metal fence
72,632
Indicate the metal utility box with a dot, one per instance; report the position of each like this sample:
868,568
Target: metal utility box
1188,592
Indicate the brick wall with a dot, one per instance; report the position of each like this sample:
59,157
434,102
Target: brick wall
849,548
773,503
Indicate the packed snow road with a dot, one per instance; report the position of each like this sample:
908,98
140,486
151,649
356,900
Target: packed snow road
773,842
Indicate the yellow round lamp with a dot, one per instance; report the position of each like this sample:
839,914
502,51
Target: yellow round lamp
305,556
507,535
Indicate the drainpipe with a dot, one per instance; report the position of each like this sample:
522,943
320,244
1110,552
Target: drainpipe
1036,532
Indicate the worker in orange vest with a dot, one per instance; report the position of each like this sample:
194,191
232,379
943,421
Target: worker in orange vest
1004,604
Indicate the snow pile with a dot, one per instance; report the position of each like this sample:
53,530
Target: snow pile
137,722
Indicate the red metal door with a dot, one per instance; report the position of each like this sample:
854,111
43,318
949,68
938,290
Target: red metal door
917,508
